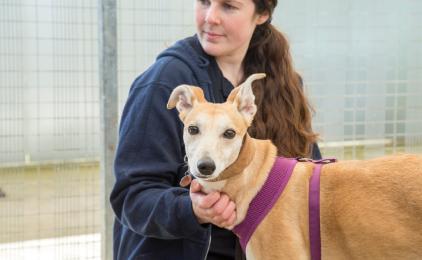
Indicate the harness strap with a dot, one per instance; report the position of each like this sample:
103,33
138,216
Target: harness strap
265,199
314,214
314,206
272,189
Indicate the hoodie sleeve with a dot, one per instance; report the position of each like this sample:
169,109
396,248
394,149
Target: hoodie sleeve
148,165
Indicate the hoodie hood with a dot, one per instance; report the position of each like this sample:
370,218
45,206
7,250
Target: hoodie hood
190,52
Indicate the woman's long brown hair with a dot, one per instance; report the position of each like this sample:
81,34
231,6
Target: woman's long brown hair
284,113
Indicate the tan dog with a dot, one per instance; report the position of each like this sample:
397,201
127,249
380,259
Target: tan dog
369,209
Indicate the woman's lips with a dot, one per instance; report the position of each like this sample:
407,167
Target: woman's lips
212,36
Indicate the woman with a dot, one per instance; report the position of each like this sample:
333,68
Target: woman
157,219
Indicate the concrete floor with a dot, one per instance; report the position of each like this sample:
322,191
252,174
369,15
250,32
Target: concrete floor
49,201
86,247
57,207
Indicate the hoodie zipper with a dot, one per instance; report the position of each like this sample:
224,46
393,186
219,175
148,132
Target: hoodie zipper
209,244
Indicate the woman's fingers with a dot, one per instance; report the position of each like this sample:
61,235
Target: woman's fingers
195,186
224,212
215,207
220,206
230,223
229,210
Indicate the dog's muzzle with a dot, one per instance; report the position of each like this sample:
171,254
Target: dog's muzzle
206,166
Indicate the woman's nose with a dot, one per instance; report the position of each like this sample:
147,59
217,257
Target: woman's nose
212,15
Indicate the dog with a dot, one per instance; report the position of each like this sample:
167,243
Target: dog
370,209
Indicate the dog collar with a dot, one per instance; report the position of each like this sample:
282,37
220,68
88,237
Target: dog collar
265,198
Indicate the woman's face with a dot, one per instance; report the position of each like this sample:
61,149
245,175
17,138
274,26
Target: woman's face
225,27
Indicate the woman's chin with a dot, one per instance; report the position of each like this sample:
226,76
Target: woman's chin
211,48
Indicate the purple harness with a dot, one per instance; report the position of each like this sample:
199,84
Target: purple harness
269,193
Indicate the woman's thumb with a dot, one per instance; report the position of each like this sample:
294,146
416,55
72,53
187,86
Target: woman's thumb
195,186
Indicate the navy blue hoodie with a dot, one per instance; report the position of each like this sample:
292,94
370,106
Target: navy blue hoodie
154,216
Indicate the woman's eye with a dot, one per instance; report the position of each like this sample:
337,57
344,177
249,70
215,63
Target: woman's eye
229,134
193,130
229,7
204,2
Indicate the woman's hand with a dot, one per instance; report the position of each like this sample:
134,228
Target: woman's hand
215,208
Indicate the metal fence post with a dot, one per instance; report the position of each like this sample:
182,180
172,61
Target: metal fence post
108,115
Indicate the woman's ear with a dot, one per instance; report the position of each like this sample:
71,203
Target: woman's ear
262,18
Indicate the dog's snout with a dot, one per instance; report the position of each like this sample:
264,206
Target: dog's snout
206,166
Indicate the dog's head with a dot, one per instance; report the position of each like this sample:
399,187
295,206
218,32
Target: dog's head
214,133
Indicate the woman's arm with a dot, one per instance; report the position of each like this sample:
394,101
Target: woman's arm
148,165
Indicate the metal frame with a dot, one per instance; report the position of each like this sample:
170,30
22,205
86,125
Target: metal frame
108,115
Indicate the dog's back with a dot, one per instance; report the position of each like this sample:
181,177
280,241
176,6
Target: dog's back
369,210
372,209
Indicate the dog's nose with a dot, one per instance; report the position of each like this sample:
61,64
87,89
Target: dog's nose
206,166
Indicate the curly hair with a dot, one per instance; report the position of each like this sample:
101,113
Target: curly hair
284,114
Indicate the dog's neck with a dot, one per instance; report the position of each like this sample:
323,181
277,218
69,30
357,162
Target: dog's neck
248,177
243,179
246,154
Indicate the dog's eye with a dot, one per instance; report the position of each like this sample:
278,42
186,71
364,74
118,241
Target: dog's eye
193,130
229,134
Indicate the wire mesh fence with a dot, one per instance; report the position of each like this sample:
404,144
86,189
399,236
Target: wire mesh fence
362,66
361,62
49,103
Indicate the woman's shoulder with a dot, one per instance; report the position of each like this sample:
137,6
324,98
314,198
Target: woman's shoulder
158,81
182,63
167,71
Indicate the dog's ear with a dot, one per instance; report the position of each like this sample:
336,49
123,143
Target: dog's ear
184,97
244,98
